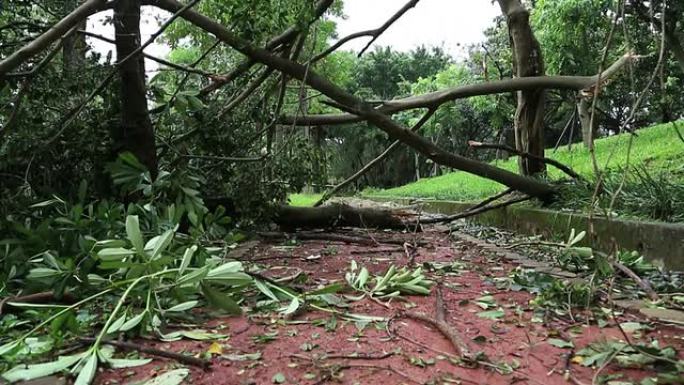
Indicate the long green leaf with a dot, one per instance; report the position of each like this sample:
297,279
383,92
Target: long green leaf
87,373
133,322
26,373
133,233
183,306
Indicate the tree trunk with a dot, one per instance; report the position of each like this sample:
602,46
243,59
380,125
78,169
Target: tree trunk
527,61
588,129
336,215
135,132
74,47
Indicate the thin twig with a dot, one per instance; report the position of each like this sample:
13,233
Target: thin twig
470,213
182,358
553,162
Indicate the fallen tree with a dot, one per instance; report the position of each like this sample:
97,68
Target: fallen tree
337,215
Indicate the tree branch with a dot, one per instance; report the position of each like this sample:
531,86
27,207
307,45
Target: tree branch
74,112
553,162
435,99
284,38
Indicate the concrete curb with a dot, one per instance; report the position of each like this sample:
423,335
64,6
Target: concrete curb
661,243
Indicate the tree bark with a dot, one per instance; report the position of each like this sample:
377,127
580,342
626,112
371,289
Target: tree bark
588,129
527,61
135,132
74,47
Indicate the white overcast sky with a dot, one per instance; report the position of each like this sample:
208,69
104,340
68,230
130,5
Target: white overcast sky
451,24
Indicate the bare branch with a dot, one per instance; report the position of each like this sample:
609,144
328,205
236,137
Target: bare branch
284,38
251,87
374,33
165,62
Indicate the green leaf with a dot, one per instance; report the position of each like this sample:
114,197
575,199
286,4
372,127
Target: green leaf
292,307
174,377
559,343
43,272
8,347
26,373
114,253
265,290
133,232
133,322
491,314
187,258
183,306
119,363
116,325
220,300
193,276
278,378
159,243
198,335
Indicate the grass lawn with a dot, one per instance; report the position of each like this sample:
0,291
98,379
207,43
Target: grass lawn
657,147
304,199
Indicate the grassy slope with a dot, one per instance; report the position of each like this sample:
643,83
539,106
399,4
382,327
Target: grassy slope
657,147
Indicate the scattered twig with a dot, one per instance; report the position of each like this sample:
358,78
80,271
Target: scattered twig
378,251
182,358
411,251
642,284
